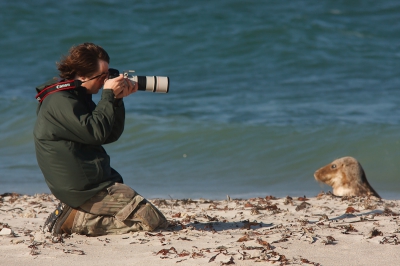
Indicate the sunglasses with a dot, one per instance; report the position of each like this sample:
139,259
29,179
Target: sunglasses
98,76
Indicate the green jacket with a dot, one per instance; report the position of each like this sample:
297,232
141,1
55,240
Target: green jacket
69,133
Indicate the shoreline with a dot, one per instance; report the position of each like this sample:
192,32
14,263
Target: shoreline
321,230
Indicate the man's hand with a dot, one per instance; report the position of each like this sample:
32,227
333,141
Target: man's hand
121,86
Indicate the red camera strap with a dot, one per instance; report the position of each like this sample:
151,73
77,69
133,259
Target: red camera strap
60,86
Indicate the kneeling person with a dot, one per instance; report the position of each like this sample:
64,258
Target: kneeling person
69,133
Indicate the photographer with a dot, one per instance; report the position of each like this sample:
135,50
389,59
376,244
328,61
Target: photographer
69,133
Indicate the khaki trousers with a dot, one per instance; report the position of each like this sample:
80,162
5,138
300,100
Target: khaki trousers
117,210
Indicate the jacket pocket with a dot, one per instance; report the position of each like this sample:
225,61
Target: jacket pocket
93,170
95,163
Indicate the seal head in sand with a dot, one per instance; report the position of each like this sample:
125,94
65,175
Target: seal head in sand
346,177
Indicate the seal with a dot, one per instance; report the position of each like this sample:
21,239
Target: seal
346,177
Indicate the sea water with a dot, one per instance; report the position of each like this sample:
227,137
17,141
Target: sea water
262,93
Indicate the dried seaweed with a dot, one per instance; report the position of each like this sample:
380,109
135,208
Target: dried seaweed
374,232
351,210
303,205
392,240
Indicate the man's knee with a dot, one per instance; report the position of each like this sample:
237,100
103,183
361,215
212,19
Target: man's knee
137,215
150,216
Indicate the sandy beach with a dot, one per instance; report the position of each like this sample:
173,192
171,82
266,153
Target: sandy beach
294,230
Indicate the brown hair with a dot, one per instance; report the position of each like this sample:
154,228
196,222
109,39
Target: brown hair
82,60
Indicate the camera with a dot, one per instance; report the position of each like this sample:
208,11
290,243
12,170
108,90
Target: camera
146,83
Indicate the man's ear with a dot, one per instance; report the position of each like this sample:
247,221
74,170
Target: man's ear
83,79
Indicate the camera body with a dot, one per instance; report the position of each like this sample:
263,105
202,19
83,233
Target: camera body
145,83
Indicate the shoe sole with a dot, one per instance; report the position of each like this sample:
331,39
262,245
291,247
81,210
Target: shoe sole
52,219
61,219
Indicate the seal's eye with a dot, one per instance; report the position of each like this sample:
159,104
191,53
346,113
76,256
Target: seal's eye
333,166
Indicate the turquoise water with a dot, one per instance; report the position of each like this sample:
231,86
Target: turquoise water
261,94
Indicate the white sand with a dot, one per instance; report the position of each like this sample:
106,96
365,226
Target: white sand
258,231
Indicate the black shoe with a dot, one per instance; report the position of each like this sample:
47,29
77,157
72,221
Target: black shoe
61,220
51,220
